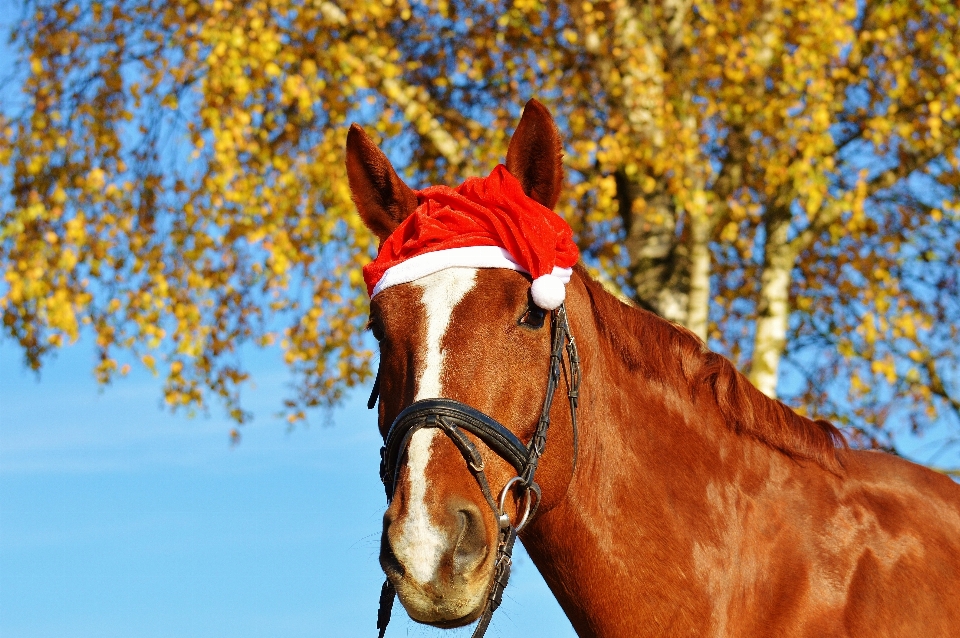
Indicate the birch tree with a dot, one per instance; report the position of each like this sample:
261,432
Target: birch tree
779,176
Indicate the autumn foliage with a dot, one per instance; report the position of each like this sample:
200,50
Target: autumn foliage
781,177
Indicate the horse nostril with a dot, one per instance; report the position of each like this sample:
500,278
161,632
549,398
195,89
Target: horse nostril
471,547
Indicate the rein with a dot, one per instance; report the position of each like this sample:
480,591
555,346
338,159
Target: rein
454,419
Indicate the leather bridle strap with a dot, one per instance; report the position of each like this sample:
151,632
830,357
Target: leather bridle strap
454,419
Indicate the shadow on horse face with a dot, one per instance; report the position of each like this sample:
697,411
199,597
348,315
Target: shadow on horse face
454,334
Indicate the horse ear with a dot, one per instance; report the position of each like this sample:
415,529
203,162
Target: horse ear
381,197
535,155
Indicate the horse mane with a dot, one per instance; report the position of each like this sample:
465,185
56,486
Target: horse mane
664,351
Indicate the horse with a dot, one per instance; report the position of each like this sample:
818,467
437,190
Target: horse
674,498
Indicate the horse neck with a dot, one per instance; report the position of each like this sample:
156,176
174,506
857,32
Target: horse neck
619,550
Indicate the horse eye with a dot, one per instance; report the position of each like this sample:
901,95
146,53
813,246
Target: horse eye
376,329
533,317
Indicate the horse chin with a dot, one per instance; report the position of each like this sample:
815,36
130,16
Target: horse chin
444,607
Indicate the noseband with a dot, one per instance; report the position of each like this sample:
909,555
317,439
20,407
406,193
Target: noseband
455,419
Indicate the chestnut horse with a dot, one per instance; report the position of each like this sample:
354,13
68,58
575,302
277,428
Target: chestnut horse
696,505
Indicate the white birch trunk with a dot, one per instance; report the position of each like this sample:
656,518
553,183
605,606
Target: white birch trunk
773,306
698,309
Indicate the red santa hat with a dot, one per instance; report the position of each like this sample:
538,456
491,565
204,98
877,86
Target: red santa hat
483,223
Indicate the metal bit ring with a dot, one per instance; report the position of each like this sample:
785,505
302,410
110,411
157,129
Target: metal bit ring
527,502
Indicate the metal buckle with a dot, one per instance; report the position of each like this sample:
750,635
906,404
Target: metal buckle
527,502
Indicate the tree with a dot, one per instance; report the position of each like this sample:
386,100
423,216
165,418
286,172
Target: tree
781,177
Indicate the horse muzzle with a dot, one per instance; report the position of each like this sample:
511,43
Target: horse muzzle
448,588
443,565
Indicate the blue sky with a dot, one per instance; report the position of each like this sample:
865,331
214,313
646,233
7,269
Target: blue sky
120,519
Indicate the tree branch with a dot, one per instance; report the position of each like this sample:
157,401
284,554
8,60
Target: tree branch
405,96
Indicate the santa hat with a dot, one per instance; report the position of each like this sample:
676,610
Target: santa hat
483,223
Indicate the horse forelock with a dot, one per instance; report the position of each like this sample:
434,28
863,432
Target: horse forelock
674,357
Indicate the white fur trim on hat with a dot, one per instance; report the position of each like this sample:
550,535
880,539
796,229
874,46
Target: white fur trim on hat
429,263
473,257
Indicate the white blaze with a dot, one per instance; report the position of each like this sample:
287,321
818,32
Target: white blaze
421,544
442,292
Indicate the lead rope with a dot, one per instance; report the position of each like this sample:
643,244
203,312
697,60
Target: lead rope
561,339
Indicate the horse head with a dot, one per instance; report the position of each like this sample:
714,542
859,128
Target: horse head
476,337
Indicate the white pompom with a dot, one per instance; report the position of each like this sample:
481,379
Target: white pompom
548,292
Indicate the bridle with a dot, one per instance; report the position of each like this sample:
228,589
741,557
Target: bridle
454,419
